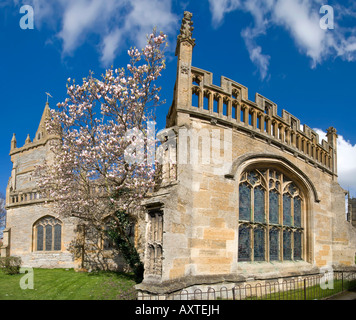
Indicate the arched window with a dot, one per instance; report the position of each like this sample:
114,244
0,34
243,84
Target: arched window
271,219
48,234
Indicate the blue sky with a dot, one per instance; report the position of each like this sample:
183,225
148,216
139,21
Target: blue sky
274,47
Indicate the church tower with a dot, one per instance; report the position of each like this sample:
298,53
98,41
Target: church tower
32,231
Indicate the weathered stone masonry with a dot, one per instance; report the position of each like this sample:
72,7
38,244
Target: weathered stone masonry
25,207
247,193
201,219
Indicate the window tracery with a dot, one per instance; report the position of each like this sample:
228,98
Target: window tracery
155,242
48,234
270,217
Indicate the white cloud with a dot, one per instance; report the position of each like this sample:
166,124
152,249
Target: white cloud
114,22
255,52
110,45
144,15
347,165
80,17
301,18
250,34
346,162
218,9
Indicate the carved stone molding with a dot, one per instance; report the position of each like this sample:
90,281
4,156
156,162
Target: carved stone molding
184,69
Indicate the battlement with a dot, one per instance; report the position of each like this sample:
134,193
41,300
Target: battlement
230,103
195,95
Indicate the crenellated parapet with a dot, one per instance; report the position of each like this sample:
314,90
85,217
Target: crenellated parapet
229,104
195,95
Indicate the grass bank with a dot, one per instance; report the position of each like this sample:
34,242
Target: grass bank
67,284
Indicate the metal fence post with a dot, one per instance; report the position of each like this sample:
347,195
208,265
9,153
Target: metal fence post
342,281
287,289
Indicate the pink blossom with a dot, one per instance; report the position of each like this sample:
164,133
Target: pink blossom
89,169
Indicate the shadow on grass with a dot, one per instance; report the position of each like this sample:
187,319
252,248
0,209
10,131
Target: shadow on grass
67,284
352,290
112,274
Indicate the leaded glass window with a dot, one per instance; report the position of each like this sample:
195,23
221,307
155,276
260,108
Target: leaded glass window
57,237
297,245
259,244
252,177
48,234
273,207
259,204
48,230
287,209
39,238
274,244
245,202
271,217
244,243
287,245
297,212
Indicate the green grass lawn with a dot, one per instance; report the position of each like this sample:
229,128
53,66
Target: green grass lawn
67,284
311,292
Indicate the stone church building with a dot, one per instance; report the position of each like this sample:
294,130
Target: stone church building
246,193
351,212
32,232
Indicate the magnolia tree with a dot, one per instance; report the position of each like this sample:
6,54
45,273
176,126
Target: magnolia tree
100,172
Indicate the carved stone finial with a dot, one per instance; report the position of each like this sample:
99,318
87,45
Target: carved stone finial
187,28
331,130
331,135
28,139
13,141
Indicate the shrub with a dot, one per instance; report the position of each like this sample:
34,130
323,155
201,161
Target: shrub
10,265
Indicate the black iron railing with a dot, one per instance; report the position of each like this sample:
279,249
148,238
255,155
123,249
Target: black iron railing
307,287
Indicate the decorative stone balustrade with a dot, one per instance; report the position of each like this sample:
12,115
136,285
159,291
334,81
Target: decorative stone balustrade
229,105
30,197
23,198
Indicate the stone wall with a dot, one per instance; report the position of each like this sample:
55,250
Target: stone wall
25,206
200,238
21,221
200,206
352,210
